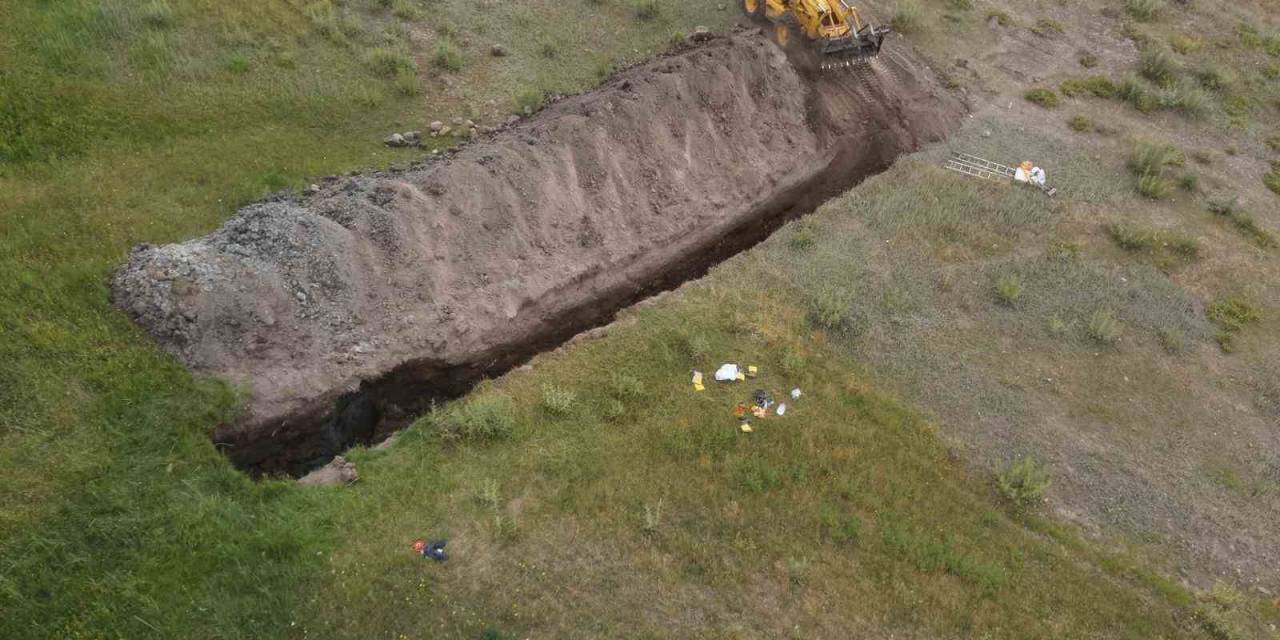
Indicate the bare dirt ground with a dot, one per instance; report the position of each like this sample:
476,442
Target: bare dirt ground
344,312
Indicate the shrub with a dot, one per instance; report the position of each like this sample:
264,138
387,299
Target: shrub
1159,67
1088,61
1099,86
1047,27
1272,178
625,387
648,9
1231,314
1131,90
1104,327
1185,44
557,401
1188,182
1003,19
829,310
1023,483
1131,237
1154,186
1212,78
487,417
406,83
802,237
652,516
529,102
1150,158
548,49
447,56
1188,101
389,62
404,10
908,17
1242,221
1008,289
1080,123
1043,97
1144,10
1273,142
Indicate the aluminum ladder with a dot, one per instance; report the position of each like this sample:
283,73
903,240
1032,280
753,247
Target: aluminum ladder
975,166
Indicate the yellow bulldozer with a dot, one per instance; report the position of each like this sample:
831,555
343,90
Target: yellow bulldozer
838,33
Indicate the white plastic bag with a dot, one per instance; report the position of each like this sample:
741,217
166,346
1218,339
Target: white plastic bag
727,373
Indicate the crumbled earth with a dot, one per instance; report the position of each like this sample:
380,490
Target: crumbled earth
345,312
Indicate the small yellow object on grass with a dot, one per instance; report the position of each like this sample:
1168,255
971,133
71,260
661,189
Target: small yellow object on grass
752,371
746,427
697,381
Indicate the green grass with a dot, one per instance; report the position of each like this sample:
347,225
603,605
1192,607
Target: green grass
1041,96
599,478
1144,10
908,17
137,122
1100,86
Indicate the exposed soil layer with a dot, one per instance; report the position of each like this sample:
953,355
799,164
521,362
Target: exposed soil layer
345,313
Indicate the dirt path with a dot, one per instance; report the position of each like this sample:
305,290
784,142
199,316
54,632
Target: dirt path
346,313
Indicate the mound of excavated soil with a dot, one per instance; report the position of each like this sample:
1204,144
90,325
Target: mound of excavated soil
349,310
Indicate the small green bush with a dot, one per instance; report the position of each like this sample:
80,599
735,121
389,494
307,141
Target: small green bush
1159,67
1042,96
1088,61
1149,158
802,237
1184,44
447,56
697,347
529,102
487,417
1023,483
1047,28
1131,237
1242,221
1008,289
1144,10
1272,178
1104,327
648,10
960,5
557,401
841,528
1132,90
1155,187
1100,86
1080,123
1232,313
1213,78
1273,142
548,49
1003,19
405,10
389,62
908,17
829,310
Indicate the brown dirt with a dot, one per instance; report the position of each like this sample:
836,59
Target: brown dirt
347,312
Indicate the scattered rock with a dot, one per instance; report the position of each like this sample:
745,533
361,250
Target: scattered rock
512,120
701,34
446,131
469,133
436,126
457,122
986,133
413,137
339,471
498,51
395,140
470,124
385,444
313,188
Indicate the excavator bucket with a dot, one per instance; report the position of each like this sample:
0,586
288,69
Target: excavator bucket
857,48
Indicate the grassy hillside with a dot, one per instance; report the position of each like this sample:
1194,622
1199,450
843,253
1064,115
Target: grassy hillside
618,502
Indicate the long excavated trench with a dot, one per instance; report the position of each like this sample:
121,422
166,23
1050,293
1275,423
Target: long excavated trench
344,314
